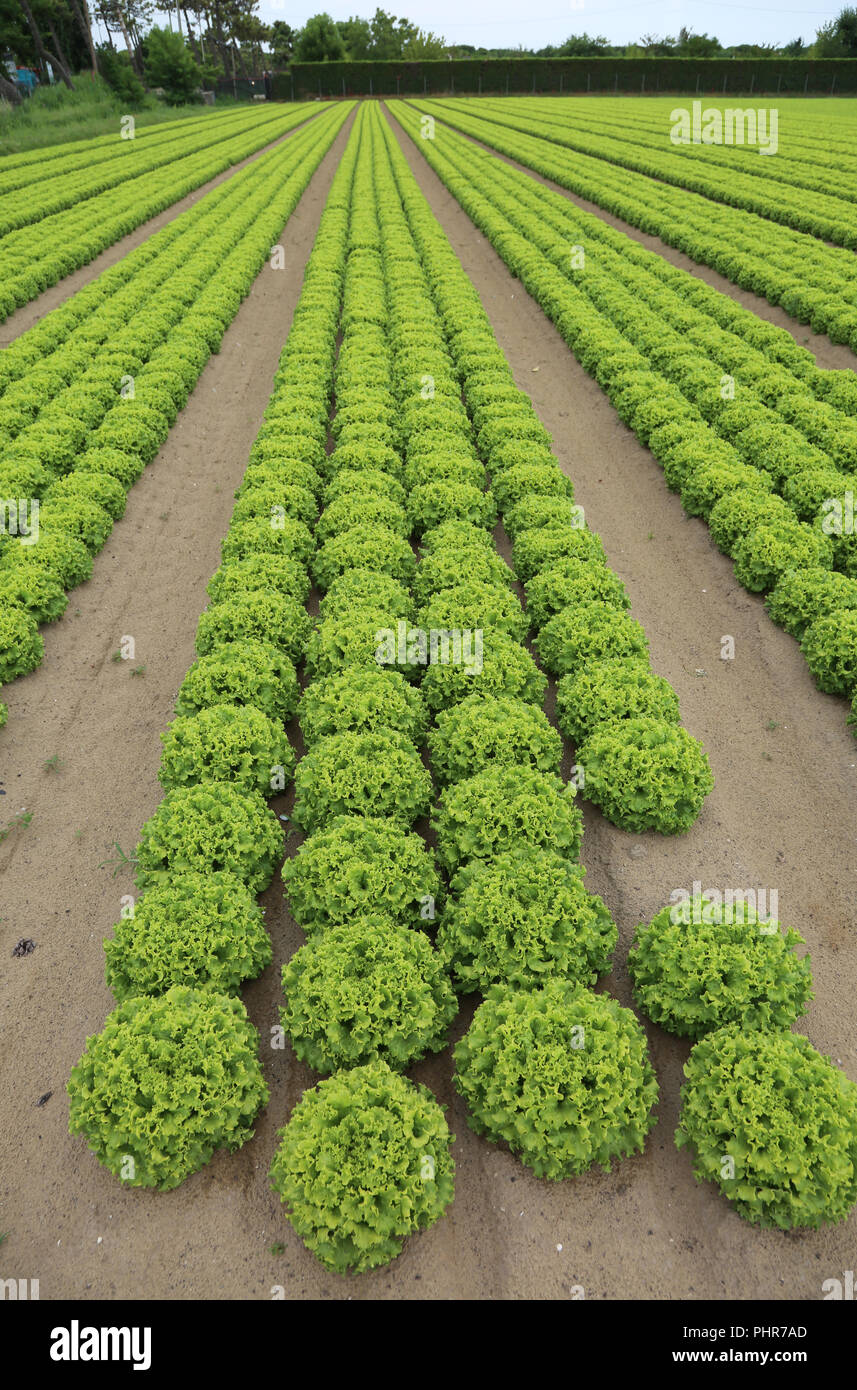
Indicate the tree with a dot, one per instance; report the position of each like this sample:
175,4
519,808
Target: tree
81,14
169,65
838,39
282,40
120,76
319,41
45,54
796,49
357,37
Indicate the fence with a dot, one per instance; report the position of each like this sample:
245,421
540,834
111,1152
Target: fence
522,76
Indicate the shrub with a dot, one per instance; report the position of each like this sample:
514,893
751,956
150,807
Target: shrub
570,583
521,917
242,673
376,774
207,828
698,966
560,1074
482,732
785,1115
645,774
588,632
165,1083
362,701
21,645
613,688
364,547
830,647
363,1162
205,931
356,993
227,743
260,615
504,809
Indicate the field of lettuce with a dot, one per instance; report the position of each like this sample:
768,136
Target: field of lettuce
428,651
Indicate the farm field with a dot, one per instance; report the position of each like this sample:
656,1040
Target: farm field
363,954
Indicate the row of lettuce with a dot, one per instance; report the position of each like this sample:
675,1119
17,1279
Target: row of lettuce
75,227
90,394
801,163
817,206
68,181
559,1072
759,441
813,281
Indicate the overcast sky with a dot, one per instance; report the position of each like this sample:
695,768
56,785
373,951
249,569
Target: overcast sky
507,23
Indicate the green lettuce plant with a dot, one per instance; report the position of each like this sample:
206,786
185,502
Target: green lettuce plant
361,864
470,605
278,572
504,668
246,672
34,589
569,583
21,645
830,647
363,1162
558,1073
588,632
785,1116
355,993
698,966
645,774
544,545
612,688
364,547
801,596
483,732
365,588
766,553
208,828
505,809
206,931
448,566
290,538
260,615
227,743
362,701
166,1083
452,534
522,917
374,774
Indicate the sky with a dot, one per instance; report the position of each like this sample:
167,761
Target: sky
508,23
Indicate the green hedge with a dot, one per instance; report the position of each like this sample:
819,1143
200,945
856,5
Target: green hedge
472,76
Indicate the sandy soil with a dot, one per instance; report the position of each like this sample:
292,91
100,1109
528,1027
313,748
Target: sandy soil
782,815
